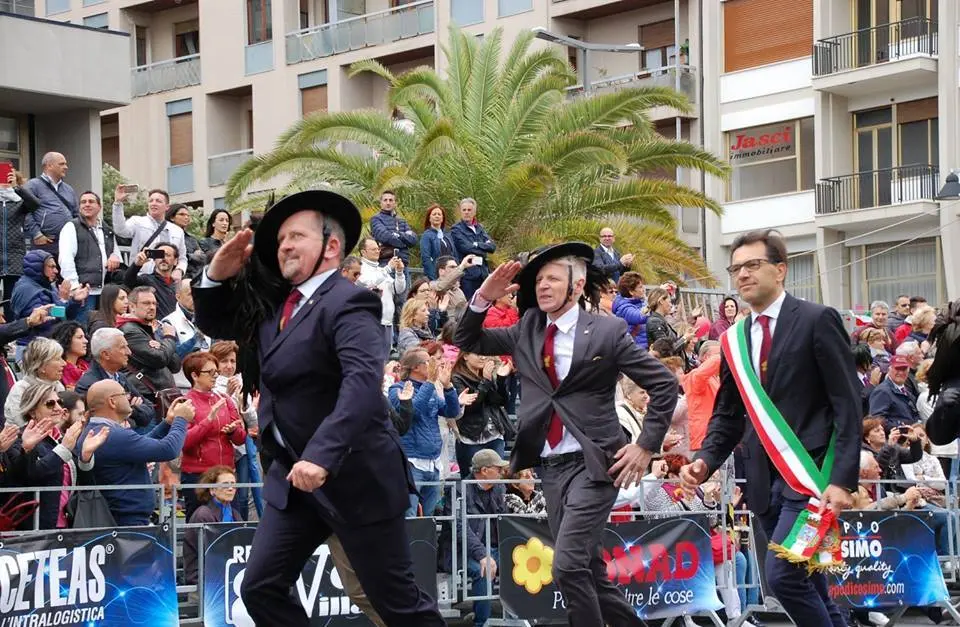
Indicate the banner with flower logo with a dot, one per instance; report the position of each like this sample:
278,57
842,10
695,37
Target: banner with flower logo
664,567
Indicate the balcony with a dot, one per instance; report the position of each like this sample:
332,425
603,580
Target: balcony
592,9
18,7
857,63
220,167
166,75
660,77
373,29
876,196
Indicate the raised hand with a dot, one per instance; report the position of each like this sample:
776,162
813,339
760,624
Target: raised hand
693,474
467,398
40,315
34,433
71,436
232,256
92,442
500,282
64,290
8,436
215,409
406,392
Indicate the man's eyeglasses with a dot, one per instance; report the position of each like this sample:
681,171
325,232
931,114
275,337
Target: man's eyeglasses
53,402
752,266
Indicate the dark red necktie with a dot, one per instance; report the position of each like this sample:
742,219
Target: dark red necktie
764,347
555,430
288,306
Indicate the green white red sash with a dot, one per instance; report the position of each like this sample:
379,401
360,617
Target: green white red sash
814,539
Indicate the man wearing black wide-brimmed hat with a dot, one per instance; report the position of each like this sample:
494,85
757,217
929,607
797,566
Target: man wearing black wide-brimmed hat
568,361
337,464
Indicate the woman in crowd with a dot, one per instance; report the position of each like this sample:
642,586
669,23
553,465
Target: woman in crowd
422,289
632,408
924,319
216,505
113,303
875,339
216,426
658,304
70,336
504,314
727,315
36,288
435,241
450,350
179,214
927,473
901,447
50,458
217,232
42,363
230,383
481,383
414,325
608,294
630,304
15,203
523,497
943,377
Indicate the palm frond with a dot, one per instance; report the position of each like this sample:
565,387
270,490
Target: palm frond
372,66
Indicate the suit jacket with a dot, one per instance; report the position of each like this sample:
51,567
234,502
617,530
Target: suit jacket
320,381
812,379
897,408
585,398
609,265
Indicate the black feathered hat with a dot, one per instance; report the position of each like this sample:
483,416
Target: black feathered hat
538,258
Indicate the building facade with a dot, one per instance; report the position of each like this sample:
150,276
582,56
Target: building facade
838,117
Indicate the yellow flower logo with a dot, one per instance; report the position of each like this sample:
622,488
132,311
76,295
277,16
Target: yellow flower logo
533,565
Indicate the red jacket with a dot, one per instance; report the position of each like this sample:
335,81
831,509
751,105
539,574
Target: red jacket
206,446
501,317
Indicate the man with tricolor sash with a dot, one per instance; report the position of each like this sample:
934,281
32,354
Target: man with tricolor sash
788,391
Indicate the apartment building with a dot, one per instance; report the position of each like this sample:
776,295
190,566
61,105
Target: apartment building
839,118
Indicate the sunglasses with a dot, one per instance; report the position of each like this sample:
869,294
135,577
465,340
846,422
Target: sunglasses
55,402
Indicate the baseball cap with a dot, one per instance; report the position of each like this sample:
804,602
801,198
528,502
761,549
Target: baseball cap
485,458
899,361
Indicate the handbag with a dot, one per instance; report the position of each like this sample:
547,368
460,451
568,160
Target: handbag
162,398
88,509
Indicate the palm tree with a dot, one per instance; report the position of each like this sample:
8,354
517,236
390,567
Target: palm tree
542,166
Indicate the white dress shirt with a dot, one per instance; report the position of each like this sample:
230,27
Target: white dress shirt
756,331
562,359
389,282
140,228
67,258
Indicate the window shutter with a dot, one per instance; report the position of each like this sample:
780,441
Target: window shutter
657,35
313,99
916,110
759,32
181,139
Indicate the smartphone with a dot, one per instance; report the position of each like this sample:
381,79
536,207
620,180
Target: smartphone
396,252
155,253
58,311
476,261
5,169
130,189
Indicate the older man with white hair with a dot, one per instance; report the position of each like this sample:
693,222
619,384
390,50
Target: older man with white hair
110,353
470,238
58,204
879,312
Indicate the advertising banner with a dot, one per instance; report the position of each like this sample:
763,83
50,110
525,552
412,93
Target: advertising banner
108,578
891,559
319,588
663,567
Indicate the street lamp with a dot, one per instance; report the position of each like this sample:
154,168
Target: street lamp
584,49
950,189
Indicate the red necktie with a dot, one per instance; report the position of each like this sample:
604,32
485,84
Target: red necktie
288,306
764,347
555,430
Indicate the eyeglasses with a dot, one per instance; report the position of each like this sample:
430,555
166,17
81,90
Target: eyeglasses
213,372
54,402
752,266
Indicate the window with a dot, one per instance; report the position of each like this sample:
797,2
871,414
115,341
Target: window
10,142
802,280
180,120
466,12
100,20
141,45
659,45
110,139
187,38
57,6
760,32
909,269
506,8
771,159
313,92
259,25
304,14
919,132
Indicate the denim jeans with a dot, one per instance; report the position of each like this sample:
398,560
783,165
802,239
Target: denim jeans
750,596
939,523
429,494
465,453
248,471
478,587
741,574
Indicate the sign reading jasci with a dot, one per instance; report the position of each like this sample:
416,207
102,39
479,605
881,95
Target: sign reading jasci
762,143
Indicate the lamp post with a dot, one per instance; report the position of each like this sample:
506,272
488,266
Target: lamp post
948,231
584,49
950,189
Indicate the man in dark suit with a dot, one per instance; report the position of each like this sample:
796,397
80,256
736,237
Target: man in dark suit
568,361
337,464
607,259
801,353
892,399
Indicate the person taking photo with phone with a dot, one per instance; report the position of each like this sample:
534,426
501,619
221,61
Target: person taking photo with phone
38,287
15,203
152,229
163,280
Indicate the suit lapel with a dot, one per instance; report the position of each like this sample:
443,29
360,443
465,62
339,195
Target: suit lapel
301,315
781,335
581,341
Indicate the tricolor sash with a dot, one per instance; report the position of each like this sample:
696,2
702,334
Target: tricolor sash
814,538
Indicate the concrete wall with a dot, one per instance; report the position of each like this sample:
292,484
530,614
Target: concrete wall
76,134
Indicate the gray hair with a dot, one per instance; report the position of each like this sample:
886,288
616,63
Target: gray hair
469,200
33,395
103,340
879,304
40,351
908,348
628,386
707,346
577,264
49,158
865,457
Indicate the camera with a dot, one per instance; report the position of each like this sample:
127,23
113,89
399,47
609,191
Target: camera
154,253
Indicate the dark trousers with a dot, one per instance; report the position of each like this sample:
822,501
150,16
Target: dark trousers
577,510
190,501
379,553
803,596
9,280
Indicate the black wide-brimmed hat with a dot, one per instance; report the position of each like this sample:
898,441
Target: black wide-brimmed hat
326,202
536,259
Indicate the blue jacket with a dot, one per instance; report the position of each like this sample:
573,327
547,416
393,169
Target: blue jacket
430,251
897,408
33,290
391,230
50,217
122,460
466,242
631,310
422,440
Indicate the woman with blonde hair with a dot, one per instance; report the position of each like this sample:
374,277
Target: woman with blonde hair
414,325
42,363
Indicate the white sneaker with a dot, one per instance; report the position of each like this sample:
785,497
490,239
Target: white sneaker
877,618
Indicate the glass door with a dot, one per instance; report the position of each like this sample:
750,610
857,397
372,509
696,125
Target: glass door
873,31
874,154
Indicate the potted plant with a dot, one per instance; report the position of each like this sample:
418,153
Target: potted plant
684,52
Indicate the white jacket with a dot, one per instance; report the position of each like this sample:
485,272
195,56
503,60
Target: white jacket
373,276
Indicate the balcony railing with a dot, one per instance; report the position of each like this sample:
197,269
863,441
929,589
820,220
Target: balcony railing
166,75
877,188
659,77
871,46
220,167
372,29
19,7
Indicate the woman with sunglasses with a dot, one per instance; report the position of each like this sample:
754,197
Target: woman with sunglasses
216,427
49,443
